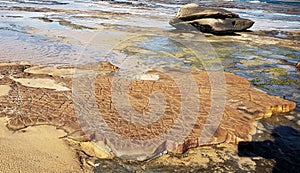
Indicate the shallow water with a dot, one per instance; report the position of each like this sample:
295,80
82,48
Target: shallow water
56,32
75,32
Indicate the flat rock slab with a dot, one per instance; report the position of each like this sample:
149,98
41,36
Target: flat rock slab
194,11
108,107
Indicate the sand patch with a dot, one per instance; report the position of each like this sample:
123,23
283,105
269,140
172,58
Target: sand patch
41,83
4,90
38,149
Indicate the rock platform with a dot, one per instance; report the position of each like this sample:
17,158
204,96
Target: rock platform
27,104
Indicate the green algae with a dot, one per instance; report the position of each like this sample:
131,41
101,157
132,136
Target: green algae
276,71
289,55
284,81
261,83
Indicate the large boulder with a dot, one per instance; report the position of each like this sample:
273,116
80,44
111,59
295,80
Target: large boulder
194,11
211,20
213,25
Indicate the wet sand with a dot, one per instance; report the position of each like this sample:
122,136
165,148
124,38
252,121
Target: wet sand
36,149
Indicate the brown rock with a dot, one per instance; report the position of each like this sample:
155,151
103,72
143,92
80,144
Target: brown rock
95,111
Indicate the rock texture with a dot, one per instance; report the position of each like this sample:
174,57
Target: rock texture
28,106
211,20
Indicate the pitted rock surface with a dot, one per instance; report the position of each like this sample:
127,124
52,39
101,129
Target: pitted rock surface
27,106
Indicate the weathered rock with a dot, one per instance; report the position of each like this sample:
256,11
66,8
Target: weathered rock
193,11
27,106
212,20
4,90
213,25
95,149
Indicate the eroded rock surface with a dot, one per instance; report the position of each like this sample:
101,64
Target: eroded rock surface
211,20
194,11
28,106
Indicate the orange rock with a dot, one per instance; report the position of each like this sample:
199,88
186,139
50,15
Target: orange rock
144,115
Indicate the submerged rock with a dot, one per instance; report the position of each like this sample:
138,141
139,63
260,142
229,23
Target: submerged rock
101,110
211,20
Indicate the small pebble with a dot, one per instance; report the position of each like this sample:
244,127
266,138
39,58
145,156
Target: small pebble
91,163
289,117
260,127
259,131
187,62
256,158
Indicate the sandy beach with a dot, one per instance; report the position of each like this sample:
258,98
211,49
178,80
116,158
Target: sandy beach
36,149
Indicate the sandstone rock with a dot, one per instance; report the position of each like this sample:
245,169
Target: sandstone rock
4,90
27,106
41,83
93,149
298,65
192,17
289,117
193,11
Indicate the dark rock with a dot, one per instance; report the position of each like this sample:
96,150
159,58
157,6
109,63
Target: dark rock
192,17
213,25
